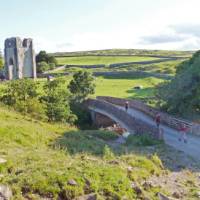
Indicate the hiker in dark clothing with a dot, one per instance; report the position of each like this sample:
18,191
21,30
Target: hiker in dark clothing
126,106
158,120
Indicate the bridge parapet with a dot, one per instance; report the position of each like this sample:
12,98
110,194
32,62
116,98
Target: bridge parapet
167,119
134,125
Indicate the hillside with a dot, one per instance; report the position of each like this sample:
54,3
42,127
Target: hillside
122,52
45,161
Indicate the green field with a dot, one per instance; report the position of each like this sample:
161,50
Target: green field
117,87
168,67
106,60
123,88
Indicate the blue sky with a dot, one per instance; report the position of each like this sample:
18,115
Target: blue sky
72,25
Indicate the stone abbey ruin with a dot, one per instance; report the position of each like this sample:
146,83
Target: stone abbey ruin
19,58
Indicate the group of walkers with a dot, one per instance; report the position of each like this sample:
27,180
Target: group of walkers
183,129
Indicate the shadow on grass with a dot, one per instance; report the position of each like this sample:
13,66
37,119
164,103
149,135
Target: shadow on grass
145,93
96,143
90,142
124,75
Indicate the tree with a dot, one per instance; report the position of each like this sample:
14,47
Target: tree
56,100
1,61
42,67
44,57
81,85
22,95
182,94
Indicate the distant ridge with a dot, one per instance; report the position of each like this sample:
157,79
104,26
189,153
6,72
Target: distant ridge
126,52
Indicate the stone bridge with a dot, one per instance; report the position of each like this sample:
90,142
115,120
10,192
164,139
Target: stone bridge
140,119
120,116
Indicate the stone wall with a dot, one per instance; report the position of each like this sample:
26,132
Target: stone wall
86,66
134,125
100,120
142,62
166,118
132,73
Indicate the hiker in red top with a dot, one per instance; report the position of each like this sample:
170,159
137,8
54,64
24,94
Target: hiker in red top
183,130
158,120
126,106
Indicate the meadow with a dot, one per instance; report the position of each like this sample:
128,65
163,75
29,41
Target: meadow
105,60
124,88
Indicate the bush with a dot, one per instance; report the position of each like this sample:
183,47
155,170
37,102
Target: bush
181,94
52,66
22,96
44,57
84,120
56,100
42,67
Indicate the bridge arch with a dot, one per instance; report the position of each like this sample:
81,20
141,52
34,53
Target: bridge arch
125,120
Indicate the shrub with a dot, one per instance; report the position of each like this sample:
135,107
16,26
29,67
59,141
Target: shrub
22,96
56,100
42,67
52,66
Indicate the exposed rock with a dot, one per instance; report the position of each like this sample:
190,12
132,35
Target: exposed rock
145,198
137,189
87,197
198,194
115,162
164,197
147,185
130,169
5,193
2,161
72,182
176,195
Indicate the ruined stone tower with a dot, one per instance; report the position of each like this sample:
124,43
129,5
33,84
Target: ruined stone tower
19,58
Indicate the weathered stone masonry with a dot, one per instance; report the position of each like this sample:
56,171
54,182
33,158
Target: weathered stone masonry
19,58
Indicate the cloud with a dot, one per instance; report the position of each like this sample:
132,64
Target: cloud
187,29
162,38
177,36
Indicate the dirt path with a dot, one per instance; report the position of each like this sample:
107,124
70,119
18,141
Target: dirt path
171,136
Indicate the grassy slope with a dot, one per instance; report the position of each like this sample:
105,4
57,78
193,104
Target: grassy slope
42,158
126,52
41,161
93,60
168,67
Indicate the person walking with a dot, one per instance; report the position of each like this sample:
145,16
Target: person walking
183,131
126,106
158,120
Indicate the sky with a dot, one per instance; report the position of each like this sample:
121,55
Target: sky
76,25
